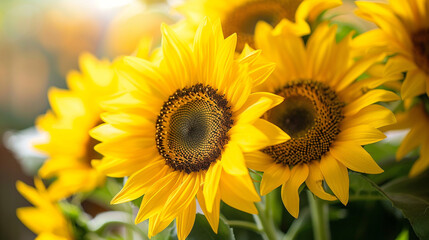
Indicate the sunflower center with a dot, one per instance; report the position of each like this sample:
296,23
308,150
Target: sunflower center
191,129
242,19
311,114
421,49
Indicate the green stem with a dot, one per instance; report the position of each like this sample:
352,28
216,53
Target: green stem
319,217
244,224
266,221
297,225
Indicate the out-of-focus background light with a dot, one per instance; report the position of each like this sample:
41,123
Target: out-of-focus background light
40,42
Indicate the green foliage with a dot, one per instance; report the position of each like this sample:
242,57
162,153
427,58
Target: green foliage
202,230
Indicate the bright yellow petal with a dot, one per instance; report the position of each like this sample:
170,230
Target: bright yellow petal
290,194
138,183
373,115
156,196
213,216
369,98
315,182
336,176
181,196
258,161
256,105
211,184
361,134
185,221
273,177
274,133
354,157
248,137
233,160
414,84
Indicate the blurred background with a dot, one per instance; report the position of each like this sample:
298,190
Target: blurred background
40,41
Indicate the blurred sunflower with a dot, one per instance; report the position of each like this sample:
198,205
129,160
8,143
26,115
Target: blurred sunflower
404,29
327,116
74,112
417,120
46,218
241,16
182,134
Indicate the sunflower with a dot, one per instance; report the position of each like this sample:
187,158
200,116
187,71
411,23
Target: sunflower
183,133
46,218
404,29
241,16
326,115
74,112
417,120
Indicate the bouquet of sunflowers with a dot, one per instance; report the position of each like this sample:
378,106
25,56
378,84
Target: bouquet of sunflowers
250,119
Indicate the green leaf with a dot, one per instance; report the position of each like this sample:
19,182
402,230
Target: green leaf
411,195
202,230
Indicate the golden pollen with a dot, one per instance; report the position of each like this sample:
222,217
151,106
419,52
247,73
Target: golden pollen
311,114
242,19
192,127
420,41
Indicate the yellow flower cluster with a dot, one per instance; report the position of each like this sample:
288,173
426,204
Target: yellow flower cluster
184,123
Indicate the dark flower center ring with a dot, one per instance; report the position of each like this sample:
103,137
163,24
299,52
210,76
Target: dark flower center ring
192,127
311,114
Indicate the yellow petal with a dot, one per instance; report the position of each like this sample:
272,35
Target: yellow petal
413,139
248,137
156,196
414,84
185,221
137,124
213,216
242,186
233,196
336,176
274,133
314,182
211,184
31,194
357,69
290,195
258,161
233,160
373,115
422,163
179,59
64,103
256,105
273,177
361,134
106,132
354,157
369,98
138,183
181,196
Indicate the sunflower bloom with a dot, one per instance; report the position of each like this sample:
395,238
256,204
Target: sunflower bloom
417,120
404,29
324,112
241,16
74,112
45,218
182,134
